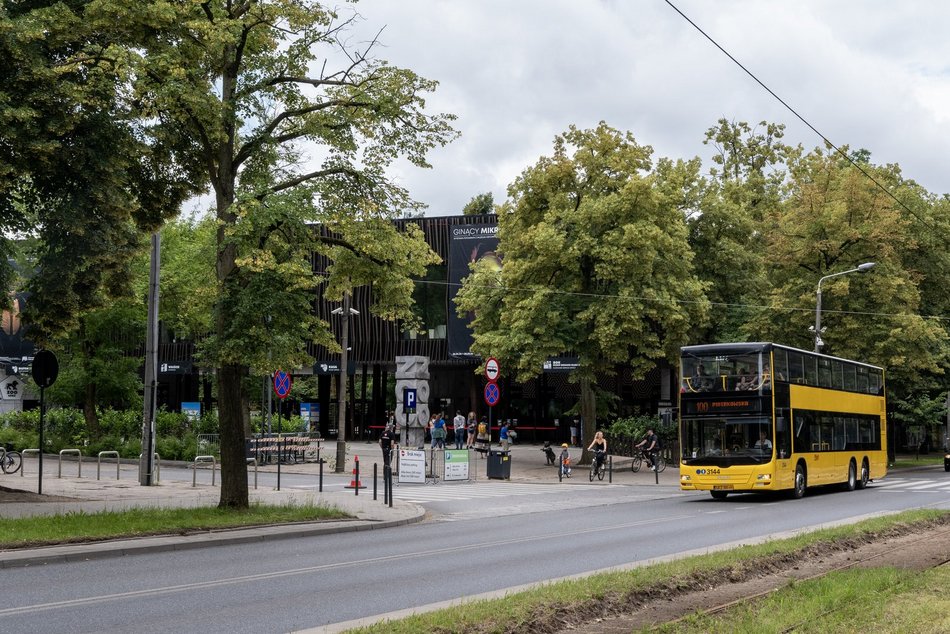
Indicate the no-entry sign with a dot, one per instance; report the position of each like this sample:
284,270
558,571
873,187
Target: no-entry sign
492,369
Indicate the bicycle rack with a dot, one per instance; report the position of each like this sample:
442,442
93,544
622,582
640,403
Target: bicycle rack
194,470
71,452
23,462
114,454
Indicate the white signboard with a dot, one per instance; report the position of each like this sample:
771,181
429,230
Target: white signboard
412,466
456,465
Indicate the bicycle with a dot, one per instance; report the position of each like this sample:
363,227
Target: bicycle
597,470
10,461
639,458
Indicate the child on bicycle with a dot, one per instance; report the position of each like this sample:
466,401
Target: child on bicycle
565,461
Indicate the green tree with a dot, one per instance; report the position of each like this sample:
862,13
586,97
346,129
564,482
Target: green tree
480,205
286,139
595,263
726,219
835,219
80,169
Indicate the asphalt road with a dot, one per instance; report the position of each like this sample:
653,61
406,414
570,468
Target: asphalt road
471,546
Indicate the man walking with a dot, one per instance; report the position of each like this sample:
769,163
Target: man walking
458,426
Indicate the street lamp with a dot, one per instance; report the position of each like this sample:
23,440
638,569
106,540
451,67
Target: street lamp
862,268
346,312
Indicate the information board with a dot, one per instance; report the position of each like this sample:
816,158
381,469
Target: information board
412,466
456,465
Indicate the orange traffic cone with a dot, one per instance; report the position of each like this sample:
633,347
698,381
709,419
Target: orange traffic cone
355,482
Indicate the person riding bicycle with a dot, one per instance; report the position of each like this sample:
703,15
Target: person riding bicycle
599,447
650,446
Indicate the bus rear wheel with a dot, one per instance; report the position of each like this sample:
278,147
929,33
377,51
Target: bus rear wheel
718,495
798,491
865,475
852,482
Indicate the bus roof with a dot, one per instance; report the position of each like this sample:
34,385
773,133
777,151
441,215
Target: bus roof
750,347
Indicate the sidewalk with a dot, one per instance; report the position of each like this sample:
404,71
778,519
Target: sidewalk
73,494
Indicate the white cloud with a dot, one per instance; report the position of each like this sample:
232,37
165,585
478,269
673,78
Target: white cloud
871,74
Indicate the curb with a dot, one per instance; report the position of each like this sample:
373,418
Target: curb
122,547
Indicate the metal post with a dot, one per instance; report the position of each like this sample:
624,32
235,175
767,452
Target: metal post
341,397
321,476
560,468
390,486
39,485
610,469
356,473
375,468
151,367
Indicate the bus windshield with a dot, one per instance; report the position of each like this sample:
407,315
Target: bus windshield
739,371
727,440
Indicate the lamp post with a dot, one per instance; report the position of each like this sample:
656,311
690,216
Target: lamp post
862,268
345,312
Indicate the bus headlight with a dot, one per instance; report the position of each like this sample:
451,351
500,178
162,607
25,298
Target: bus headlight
684,478
764,477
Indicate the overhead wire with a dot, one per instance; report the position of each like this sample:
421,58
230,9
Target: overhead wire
841,152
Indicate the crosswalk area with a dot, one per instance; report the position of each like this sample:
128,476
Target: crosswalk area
913,484
451,491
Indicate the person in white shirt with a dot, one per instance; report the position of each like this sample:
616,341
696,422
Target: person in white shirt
458,426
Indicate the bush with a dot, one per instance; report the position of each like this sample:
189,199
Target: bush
623,433
124,423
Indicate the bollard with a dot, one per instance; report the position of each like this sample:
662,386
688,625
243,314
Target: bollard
560,469
390,486
321,475
610,469
355,482
375,466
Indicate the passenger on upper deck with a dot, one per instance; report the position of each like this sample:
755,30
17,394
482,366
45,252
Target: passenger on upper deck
700,381
746,381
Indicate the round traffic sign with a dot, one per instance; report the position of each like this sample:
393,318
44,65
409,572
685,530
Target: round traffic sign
492,394
492,369
45,368
282,384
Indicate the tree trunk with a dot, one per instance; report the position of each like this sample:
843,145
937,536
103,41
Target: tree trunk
232,410
90,393
588,418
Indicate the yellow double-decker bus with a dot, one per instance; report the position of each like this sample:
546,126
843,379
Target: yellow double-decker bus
757,417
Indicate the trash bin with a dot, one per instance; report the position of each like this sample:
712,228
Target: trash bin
499,465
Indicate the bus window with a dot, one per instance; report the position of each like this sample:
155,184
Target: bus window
875,381
781,363
862,385
824,372
837,374
796,373
811,370
849,379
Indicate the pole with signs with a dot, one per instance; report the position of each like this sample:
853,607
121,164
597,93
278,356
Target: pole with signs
492,393
45,370
282,385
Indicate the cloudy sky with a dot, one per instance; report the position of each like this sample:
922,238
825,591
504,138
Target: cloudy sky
871,74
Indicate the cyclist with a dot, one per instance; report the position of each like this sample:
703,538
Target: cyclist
650,446
599,447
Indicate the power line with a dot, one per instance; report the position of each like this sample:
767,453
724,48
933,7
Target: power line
805,121
730,305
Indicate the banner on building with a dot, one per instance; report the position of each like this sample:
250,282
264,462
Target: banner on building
468,244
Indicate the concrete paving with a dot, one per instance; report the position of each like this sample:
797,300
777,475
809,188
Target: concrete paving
88,493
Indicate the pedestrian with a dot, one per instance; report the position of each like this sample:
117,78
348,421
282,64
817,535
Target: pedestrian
574,433
458,428
503,436
565,461
482,438
438,432
386,444
472,427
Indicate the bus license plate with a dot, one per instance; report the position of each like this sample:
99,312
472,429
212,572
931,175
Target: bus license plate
722,487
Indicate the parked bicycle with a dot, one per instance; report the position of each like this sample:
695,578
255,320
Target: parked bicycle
10,461
639,458
598,466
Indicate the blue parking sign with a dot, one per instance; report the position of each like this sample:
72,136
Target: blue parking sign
409,398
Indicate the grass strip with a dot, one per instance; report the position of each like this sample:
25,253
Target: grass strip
83,527
558,606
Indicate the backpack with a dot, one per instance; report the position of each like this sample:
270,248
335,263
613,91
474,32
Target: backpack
482,429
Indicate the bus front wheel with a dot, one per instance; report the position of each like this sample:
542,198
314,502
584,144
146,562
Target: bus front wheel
798,492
